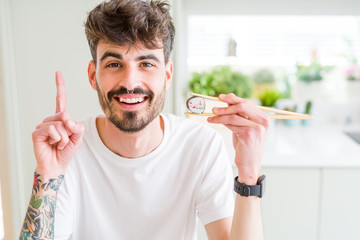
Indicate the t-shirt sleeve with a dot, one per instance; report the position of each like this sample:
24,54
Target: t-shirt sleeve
64,211
214,196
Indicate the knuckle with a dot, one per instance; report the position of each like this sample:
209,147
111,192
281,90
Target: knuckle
64,116
46,119
248,133
51,128
223,110
240,106
59,125
233,118
266,122
34,135
65,140
260,128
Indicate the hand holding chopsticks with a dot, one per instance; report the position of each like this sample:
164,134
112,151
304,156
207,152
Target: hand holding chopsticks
196,106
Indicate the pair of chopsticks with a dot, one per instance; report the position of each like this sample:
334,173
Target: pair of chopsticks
280,114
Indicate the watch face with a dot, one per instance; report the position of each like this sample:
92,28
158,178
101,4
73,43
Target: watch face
262,183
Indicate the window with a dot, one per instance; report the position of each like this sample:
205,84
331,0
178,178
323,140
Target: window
249,43
272,40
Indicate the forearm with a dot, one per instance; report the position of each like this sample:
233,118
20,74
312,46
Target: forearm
247,222
40,215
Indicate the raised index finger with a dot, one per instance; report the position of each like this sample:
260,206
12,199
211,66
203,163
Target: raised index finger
60,93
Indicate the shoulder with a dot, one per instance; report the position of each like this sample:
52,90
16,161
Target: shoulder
90,123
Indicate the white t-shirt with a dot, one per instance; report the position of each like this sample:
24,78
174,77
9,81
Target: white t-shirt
158,196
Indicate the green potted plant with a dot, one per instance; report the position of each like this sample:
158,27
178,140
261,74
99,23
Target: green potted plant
269,97
309,80
221,80
308,107
263,79
311,73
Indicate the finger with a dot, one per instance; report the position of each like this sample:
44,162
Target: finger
76,129
60,93
246,110
58,124
234,120
231,98
54,136
61,116
46,133
61,130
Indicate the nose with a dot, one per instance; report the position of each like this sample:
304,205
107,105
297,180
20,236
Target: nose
131,78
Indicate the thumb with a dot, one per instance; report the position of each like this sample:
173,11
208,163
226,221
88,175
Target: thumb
76,129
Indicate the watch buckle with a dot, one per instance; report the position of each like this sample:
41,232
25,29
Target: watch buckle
246,190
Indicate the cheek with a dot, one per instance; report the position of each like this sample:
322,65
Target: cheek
104,83
157,83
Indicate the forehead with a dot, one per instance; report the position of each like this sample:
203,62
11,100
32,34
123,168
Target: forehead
128,52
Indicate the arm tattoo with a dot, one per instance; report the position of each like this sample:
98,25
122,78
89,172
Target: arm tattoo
40,215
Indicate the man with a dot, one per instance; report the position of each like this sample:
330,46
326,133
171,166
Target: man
135,173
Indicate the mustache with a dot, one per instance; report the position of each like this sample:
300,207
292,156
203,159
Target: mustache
123,90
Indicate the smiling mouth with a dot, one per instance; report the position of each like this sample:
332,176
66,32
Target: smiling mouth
130,101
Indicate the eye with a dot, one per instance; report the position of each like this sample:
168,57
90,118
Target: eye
113,65
147,64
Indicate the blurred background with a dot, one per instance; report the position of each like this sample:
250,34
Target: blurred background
301,56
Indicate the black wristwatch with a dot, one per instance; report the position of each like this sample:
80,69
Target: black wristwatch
250,190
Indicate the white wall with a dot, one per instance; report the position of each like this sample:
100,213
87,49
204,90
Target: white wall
48,36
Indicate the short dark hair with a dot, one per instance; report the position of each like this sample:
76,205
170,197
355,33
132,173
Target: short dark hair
131,22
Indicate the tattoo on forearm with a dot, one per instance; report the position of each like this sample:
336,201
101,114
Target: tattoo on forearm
40,215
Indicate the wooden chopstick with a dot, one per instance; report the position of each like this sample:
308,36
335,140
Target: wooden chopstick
281,114
271,116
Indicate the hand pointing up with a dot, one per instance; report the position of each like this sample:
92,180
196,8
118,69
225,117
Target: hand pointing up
57,138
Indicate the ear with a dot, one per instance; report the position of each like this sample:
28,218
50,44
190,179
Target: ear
169,73
92,74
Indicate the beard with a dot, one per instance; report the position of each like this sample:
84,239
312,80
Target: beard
131,121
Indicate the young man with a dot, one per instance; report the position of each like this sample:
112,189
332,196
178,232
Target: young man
135,173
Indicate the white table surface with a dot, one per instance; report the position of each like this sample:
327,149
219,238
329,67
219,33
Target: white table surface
311,146
307,146
316,145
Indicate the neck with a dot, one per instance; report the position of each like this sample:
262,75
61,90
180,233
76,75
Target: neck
131,145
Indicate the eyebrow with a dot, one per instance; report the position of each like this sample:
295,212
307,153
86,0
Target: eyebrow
111,54
147,56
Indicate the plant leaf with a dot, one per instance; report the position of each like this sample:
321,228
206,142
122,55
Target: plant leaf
32,201
37,203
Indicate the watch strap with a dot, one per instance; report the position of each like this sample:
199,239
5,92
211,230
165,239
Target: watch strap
247,190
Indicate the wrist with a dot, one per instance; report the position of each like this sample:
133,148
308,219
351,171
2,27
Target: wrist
248,176
46,175
248,180
47,183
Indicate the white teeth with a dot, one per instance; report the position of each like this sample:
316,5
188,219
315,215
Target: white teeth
131,100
